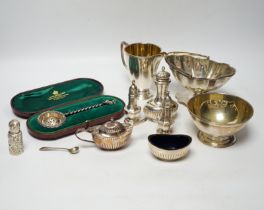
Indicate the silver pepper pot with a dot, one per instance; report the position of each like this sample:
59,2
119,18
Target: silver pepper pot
132,109
166,120
154,107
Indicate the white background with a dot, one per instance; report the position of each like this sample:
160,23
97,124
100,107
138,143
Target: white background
44,42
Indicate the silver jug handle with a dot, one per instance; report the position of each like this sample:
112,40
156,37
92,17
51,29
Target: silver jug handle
122,46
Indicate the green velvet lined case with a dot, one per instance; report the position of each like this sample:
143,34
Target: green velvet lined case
29,102
65,97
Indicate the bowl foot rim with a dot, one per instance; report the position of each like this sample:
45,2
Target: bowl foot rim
217,142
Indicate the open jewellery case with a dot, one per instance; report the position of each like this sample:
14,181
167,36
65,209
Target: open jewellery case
78,102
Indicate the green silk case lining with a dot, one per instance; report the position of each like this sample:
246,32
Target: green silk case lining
39,99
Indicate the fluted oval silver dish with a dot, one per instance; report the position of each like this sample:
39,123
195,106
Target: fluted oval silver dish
197,72
169,147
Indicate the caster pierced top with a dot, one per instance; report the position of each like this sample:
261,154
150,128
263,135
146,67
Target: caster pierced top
14,126
163,75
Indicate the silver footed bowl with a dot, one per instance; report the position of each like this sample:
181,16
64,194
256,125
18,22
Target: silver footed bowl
197,72
218,117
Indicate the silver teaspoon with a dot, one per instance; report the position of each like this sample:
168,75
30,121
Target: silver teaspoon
73,150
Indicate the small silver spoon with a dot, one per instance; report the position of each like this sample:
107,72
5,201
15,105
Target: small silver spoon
73,150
